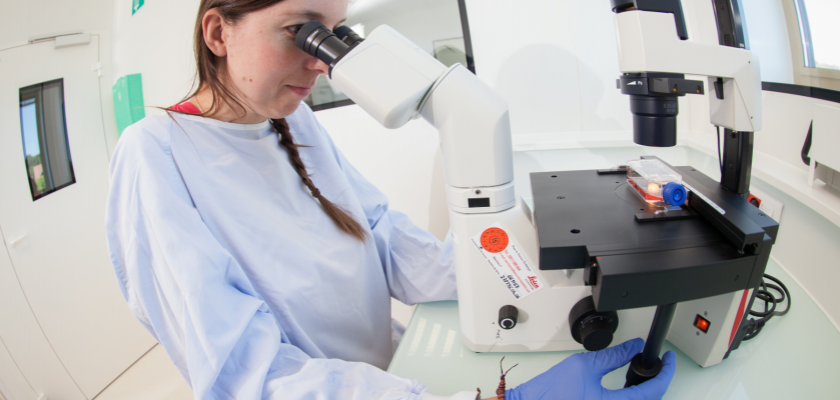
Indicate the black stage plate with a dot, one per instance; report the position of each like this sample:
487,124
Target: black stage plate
587,220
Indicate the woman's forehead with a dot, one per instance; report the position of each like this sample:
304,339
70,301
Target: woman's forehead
326,11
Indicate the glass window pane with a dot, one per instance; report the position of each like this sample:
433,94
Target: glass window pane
43,129
450,51
819,31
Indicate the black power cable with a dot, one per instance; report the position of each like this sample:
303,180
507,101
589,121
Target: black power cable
755,325
720,159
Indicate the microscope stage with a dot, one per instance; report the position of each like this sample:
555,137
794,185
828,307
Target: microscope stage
588,220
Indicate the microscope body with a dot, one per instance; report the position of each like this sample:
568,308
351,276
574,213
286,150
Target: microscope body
394,81
510,298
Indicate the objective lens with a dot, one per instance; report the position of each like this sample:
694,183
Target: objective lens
654,120
318,41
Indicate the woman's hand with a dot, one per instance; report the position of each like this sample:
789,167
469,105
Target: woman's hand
579,377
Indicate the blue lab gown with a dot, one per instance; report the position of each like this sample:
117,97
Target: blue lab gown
226,258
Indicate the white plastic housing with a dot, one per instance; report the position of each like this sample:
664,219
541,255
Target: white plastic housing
648,42
474,130
387,75
500,197
724,313
392,79
825,160
543,323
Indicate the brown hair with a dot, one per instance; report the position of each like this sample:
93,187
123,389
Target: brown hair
207,74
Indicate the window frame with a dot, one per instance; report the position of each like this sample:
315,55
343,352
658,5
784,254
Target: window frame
42,139
802,54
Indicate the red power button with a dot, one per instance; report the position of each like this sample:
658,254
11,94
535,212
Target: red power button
701,323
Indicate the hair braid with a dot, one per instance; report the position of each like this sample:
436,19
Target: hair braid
339,216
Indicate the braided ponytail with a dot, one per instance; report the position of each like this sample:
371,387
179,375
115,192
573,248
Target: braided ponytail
209,78
339,216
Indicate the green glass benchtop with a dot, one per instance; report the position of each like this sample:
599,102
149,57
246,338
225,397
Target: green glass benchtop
796,356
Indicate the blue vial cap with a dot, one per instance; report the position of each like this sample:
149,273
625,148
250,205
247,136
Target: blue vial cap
674,194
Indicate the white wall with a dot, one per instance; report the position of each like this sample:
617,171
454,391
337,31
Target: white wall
768,35
556,63
157,42
405,163
20,20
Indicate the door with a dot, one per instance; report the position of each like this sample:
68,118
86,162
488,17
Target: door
28,365
54,182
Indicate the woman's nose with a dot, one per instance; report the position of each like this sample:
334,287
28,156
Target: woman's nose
318,65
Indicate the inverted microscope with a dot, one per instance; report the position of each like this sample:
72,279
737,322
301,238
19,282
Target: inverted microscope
605,255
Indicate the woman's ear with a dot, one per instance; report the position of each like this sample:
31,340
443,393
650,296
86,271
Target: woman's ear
213,27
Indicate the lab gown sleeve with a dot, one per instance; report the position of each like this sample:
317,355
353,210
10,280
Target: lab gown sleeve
195,299
417,265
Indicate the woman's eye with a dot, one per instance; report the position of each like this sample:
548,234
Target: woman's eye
294,29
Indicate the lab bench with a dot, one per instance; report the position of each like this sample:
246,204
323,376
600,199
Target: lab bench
796,356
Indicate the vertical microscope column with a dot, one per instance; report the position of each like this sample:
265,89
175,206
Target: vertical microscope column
475,139
737,161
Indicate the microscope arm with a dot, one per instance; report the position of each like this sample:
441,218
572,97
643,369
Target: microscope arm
648,42
394,80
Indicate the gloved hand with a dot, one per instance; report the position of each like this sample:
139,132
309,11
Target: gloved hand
579,377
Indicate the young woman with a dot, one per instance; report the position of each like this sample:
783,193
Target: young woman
258,257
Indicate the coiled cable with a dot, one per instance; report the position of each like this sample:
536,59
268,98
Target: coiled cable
763,293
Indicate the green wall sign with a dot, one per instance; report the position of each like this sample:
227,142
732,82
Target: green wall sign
128,101
135,5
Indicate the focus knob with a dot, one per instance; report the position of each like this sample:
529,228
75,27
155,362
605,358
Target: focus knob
507,317
593,329
596,333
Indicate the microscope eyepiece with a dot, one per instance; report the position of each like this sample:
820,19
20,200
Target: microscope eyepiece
347,35
316,40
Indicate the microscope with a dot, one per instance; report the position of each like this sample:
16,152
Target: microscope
593,263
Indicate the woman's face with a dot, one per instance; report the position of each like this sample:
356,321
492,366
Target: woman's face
267,71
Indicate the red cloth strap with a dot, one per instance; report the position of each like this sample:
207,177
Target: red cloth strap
186,107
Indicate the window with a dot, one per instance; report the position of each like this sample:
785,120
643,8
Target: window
819,31
802,49
44,132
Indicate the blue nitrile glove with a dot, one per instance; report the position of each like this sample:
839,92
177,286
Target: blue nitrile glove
579,377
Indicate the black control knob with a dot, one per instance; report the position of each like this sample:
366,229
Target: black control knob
593,329
508,316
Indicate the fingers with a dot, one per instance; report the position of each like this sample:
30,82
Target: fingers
651,390
614,357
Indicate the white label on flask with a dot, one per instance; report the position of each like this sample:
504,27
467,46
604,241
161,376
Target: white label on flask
508,260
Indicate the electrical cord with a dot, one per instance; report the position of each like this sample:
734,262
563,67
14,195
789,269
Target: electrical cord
720,159
755,325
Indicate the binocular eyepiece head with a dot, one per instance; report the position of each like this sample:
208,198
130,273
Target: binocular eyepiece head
316,40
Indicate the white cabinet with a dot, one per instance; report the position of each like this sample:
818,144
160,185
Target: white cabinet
56,243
